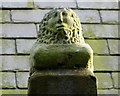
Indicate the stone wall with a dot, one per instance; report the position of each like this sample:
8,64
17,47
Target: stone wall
19,23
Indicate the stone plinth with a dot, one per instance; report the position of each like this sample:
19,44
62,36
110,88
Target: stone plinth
63,81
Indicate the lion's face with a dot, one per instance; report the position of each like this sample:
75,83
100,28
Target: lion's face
60,26
61,20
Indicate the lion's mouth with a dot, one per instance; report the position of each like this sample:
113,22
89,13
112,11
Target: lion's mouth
60,26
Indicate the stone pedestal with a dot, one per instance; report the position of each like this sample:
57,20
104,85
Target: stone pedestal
48,82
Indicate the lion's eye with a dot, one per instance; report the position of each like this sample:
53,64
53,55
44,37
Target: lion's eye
72,15
64,14
55,15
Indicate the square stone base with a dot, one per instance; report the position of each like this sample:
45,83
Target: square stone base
62,82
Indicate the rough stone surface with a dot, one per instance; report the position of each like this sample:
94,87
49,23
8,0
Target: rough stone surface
100,31
113,45
109,16
17,4
96,4
104,80
19,30
99,46
88,16
24,45
22,79
4,16
8,80
116,77
15,62
28,15
8,46
106,63
55,4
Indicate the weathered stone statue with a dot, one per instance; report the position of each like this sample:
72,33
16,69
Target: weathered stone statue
60,58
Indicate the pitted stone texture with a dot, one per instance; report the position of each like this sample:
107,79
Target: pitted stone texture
55,4
116,77
88,16
7,46
97,4
109,92
4,16
15,62
14,92
104,80
113,45
24,45
106,63
17,4
100,31
109,16
19,30
28,15
99,46
22,79
8,80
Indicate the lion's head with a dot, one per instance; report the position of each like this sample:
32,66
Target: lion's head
60,26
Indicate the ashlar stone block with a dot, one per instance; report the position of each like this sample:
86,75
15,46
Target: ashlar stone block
55,4
109,16
88,16
100,31
22,79
104,80
28,15
24,45
18,30
116,77
7,46
14,63
8,80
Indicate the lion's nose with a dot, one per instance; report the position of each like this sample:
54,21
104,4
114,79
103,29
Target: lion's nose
60,18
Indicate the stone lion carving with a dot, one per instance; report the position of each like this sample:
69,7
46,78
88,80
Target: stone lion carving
60,43
60,26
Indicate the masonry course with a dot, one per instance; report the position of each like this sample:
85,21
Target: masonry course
19,27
